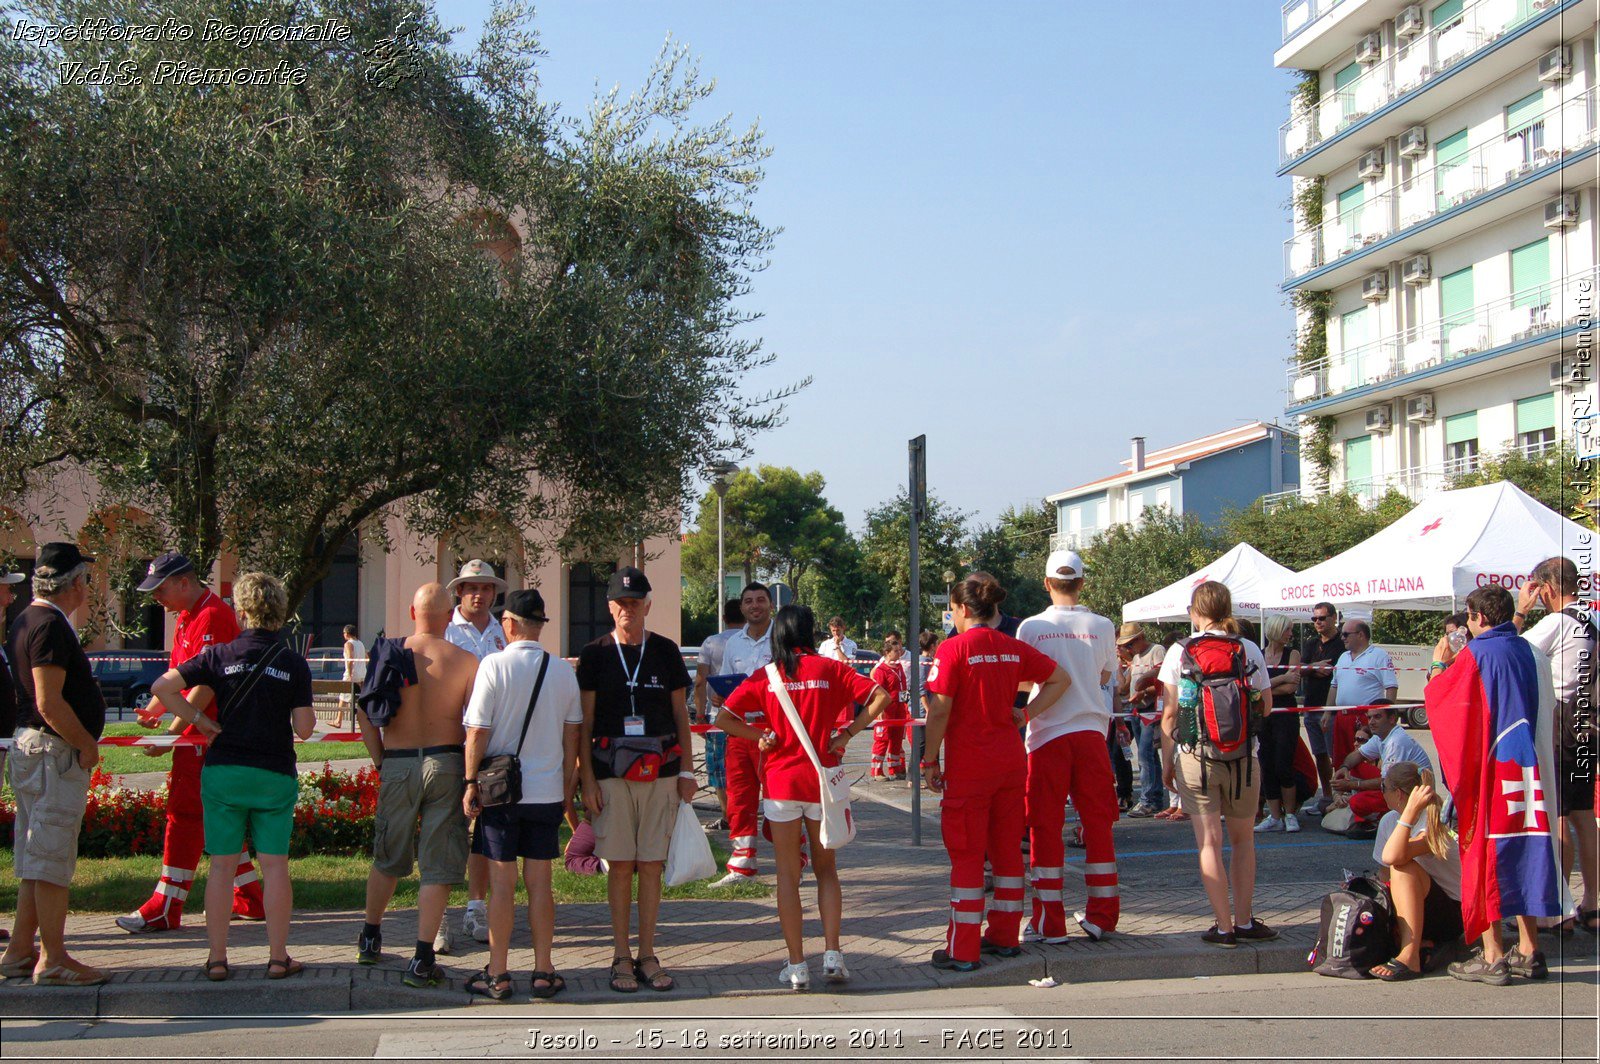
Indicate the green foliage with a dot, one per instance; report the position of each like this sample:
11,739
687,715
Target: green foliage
273,315
886,555
1308,204
1125,563
1550,478
1014,549
1299,532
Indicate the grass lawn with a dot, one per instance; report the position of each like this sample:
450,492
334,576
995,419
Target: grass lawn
121,884
120,760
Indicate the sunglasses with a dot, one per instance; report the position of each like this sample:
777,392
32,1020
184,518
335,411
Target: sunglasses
1318,618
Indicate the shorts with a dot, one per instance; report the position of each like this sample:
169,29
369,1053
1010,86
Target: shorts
236,797
426,788
530,829
637,822
781,810
1319,733
716,760
52,791
1441,916
1223,791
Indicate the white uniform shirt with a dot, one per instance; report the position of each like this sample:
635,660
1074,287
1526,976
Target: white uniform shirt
1396,746
500,702
830,648
744,654
1572,656
712,651
464,634
1360,680
1084,644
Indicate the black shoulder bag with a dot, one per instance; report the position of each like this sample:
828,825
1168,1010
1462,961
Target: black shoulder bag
500,776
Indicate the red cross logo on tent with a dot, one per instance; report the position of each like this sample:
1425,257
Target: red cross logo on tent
1430,527
1202,578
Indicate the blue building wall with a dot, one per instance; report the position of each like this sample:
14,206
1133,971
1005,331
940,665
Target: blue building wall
1235,479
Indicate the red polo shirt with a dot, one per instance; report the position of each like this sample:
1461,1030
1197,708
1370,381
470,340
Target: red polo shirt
210,622
979,671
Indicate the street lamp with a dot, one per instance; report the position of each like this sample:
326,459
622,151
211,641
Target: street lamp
721,473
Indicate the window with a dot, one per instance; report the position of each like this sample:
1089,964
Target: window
1342,82
1452,173
1358,465
1102,513
1354,335
1530,275
1525,129
335,600
1350,202
1075,520
588,618
1164,497
1461,443
140,611
1445,14
1536,424
1455,306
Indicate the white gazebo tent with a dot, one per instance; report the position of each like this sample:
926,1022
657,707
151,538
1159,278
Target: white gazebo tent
1247,573
1434,556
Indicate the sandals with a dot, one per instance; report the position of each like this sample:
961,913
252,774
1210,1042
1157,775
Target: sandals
283,969
217,971
22,969
554,984
660,982
1393,970
493,987
61,975
1587,918
623,973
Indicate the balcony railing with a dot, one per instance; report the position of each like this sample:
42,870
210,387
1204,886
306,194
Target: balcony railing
1414,483
1415,63
1521,316
1298,15
1561,130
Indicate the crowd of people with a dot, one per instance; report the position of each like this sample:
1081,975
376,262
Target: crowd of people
486,744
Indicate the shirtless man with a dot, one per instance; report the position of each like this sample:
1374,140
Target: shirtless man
421,765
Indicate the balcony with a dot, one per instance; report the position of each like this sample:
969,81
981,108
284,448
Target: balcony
1299,15
1554,138
1544,313
1416,483
1400,75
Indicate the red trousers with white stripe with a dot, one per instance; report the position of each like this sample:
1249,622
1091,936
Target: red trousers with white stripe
888,742
983,819
1074,765
743,767
185,842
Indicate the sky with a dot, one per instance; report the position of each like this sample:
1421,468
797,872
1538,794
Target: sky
1029,231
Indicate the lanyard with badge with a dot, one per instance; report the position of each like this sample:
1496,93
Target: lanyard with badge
633,723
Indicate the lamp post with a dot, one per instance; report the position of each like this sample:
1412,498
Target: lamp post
722,473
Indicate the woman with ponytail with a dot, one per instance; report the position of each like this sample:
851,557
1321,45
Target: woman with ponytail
1424,869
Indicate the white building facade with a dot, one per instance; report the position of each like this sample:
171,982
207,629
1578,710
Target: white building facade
1444,159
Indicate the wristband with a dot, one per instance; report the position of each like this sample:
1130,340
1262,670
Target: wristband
688,776
472,783
1407,825
928,764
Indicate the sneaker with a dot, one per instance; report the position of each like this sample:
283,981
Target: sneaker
944,962
1224,939
1141,811
1315,807
476,924
1475,970
719,824
1272,823
1093,930
996,950
1291,823
1528,967
422,974
833,967
795,976
135,924
444,941
1258,931
369,948
1031,934
733,879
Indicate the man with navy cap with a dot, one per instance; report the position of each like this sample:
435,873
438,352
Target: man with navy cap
204,620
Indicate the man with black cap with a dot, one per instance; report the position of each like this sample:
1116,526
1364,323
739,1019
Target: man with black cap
204,621
57,746
525,702
632,763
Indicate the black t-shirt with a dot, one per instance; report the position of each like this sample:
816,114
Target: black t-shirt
1281,699
43,636
1314,652
257,729
8,696
660,673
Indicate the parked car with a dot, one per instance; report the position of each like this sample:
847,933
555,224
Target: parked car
327,663
125,676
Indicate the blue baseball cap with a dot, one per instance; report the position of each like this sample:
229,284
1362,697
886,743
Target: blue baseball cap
169,564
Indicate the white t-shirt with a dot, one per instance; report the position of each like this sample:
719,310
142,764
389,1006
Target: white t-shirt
830,648
1396,746
1572,655
355,660
1084,644
1445,871
1361,680
500,700
464,634
1172,664
744,654
711,651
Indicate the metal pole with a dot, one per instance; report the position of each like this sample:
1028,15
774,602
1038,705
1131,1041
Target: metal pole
914,631
722,579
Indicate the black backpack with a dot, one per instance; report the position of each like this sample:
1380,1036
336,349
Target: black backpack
1356,932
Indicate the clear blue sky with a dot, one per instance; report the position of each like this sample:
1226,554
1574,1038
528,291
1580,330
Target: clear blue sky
1028,230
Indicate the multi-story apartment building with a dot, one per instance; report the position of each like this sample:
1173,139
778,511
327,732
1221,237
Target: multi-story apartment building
1443,260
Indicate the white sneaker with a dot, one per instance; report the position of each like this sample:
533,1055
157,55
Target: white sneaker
1291,823
444,942
795,976
476,924
1030,934
1315,807
733,879
1272,823
833,968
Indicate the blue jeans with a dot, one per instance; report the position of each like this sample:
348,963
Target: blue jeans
1151,790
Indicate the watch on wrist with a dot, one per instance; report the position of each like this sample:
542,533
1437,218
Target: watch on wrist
472,783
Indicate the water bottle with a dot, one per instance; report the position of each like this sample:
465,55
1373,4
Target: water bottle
1458,640
1188,692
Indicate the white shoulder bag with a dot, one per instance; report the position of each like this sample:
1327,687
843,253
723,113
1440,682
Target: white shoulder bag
838,826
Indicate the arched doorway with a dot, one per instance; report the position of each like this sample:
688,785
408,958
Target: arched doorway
587,616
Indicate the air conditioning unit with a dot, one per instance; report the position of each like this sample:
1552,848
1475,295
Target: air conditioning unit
1371,164
1556,65
1369,49
1378,419
1375,287
1560,374
1561,212
1418,269
1414,142
1408,23
1419,407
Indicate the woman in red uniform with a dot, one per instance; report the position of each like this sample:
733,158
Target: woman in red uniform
888,739
820,689
971,688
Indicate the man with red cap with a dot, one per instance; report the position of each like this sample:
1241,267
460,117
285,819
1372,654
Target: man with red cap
204,620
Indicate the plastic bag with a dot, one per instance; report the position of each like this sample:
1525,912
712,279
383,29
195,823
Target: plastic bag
689,854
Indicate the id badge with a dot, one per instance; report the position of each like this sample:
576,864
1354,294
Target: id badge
632,725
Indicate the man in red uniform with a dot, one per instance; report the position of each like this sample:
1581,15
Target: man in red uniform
746,652
204,620
888,738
